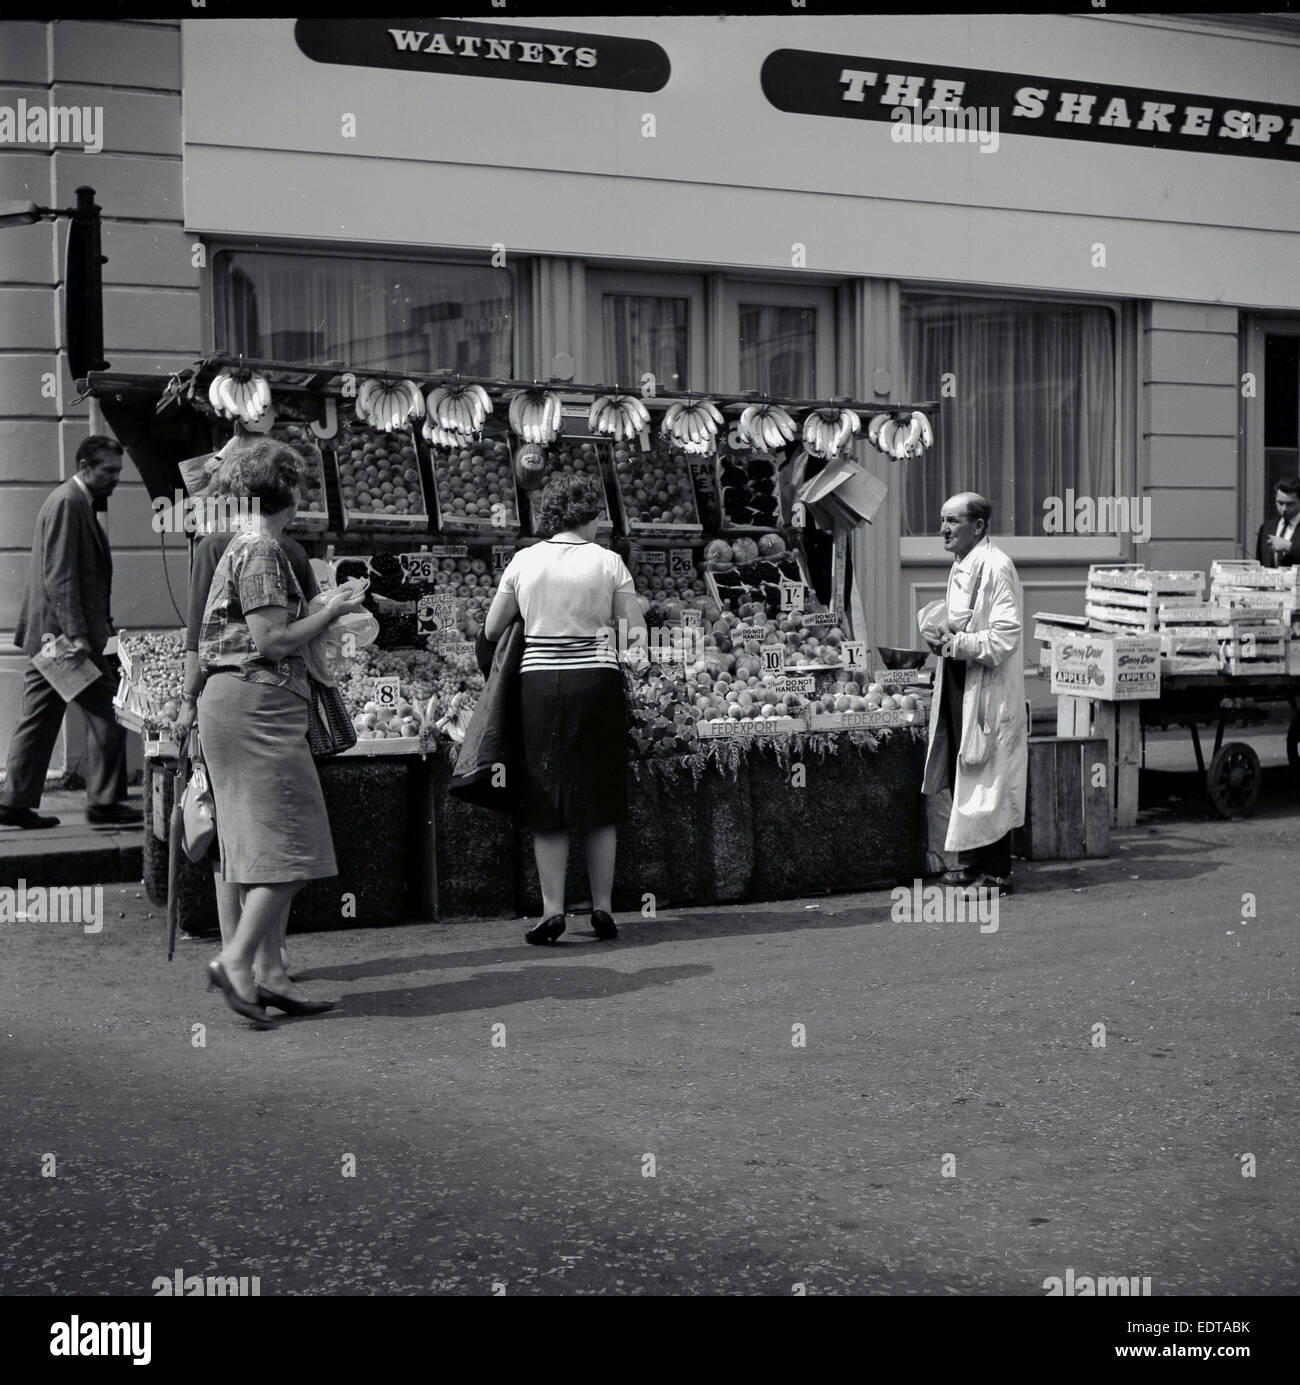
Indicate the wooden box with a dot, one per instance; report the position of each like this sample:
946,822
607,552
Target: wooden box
1067,809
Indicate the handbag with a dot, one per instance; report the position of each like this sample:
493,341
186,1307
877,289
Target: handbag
198,807
329,727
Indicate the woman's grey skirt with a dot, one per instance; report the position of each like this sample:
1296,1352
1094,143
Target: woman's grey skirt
271,819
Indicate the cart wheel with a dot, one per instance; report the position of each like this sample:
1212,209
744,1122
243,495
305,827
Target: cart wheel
1233,780
1293,743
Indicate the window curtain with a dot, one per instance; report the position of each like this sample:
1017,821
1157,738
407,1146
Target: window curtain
778,350
1030,410
644,333
376,314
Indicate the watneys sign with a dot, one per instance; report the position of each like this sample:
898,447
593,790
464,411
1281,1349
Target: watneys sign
459,48
806,83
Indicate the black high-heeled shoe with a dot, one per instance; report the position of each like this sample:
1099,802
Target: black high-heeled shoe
603,925
290,1006
547,931
219,979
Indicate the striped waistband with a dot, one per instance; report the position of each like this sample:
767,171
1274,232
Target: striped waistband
567,651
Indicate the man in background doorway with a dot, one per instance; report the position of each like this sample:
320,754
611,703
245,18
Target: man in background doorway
1278,544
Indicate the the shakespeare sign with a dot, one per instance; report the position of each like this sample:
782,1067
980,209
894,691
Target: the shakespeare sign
459,48
860,88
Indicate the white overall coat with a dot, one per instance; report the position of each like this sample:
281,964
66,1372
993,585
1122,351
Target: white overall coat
989,801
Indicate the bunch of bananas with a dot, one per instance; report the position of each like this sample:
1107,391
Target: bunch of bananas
693,427
767,427
901,439
387,407
460,408
618,416
827,431
437,436
535,415
242,395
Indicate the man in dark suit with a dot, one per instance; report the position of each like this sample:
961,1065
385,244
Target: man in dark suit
1278,544
69,582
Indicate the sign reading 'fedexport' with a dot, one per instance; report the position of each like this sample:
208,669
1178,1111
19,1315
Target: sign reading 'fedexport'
459,48
857,88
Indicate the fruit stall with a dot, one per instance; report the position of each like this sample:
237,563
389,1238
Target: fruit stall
772,752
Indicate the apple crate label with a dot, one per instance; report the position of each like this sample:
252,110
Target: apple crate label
436,613
501,555
388,692
773,660
792,595
681,563
854,654
692,619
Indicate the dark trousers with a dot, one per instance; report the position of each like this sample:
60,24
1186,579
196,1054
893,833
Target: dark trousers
38,730
994,859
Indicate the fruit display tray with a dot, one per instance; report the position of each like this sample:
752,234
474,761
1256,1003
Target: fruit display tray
571,453
732,585
368,458
470,481
750,492
313,513
646,513
392,745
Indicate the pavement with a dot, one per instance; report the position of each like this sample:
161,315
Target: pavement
76,852
743,1100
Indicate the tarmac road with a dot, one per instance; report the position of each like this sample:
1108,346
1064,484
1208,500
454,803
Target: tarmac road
649,1124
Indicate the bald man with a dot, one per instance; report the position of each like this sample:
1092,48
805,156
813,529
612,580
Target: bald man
980,684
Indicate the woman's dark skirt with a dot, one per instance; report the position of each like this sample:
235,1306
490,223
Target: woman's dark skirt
574,726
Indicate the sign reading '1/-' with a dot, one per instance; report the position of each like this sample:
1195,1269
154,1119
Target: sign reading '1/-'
460,48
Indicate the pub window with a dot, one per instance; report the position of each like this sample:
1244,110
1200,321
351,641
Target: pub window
1027,400
398,315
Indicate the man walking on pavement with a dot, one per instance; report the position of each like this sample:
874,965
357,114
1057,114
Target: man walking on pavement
69,583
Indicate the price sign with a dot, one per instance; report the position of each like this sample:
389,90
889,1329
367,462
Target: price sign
681,563
501,555
436,613
773,659
854,653
792,595
643,437
653,556
418,567
388,692
692,619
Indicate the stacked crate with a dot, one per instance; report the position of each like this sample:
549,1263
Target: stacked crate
1128,600
1261,602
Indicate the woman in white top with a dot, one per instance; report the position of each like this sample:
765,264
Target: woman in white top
579,610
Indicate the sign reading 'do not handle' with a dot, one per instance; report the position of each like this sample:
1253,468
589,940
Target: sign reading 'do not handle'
460,48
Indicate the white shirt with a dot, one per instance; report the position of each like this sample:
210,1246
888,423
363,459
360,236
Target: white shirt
565,589
963,585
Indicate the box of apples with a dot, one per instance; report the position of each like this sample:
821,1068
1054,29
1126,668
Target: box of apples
313,511
725,683
475,487
750,491
654,489
379,478
849,705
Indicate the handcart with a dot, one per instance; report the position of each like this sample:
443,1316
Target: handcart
1234,776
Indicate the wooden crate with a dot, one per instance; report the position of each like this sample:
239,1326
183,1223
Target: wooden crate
1067,811
1119,725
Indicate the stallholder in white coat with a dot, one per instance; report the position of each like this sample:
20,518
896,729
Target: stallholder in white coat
979,737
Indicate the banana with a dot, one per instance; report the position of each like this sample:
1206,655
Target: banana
884,434
214,395
873,429
927,432
365,397
228,396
